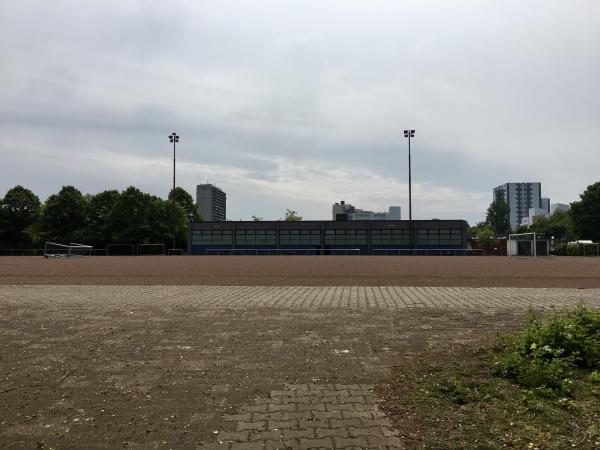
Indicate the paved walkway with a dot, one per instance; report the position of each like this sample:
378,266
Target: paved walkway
310,416
241,297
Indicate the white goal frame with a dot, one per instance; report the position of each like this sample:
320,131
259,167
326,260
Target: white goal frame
510,249
55,250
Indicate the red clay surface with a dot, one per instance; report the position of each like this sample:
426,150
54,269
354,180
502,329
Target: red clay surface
475,271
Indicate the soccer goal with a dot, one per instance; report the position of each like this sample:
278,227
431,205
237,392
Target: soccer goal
526,244
150,249
55,250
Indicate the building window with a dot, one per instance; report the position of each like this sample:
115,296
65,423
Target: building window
255,238
390,237
212,237
299,237
345,237
439,238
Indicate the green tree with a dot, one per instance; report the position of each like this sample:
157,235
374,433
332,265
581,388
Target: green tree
129,217
3,225
139,218
559,224
523,229
292,216
484,237
99,225
185,200
586,213
498,217
63,216
257,219
19,211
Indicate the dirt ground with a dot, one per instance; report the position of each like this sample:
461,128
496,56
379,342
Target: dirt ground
147,378
474,271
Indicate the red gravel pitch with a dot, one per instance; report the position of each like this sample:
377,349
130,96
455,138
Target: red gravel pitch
476,271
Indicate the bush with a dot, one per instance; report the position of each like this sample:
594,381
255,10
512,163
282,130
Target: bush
545,354
568,250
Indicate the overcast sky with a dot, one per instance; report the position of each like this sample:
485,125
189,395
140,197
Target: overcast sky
298,104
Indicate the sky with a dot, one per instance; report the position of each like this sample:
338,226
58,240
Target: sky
299,104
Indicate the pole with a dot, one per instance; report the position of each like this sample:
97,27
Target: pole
410,227
173,194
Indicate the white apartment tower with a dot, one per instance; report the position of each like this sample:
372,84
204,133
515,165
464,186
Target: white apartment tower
520,197
211,202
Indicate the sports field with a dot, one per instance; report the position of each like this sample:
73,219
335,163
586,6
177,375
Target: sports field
244,352
474,271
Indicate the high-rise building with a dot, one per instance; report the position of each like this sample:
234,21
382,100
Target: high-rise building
546,205
520,197
212,202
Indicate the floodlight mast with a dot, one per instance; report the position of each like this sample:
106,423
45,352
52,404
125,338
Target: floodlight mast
174,139
409,134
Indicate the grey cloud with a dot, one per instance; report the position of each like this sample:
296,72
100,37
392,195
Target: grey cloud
494,95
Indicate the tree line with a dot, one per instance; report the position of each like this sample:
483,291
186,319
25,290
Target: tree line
127,217
581,221
135,217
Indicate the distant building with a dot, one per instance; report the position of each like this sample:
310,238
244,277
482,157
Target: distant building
392,214
558,207
545,205
340,211
212,202
346,211
520,197
536,214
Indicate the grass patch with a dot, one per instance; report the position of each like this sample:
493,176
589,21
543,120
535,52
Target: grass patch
539,389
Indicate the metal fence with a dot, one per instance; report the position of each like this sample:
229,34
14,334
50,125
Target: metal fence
92,252
131,250
21,251
428,252
281,251
150,249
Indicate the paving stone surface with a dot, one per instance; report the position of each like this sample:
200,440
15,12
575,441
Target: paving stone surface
227,367
360,297
309,416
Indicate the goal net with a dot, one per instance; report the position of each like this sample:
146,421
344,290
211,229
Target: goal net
55,250
526,244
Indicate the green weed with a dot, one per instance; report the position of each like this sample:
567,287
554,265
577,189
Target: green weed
544,356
